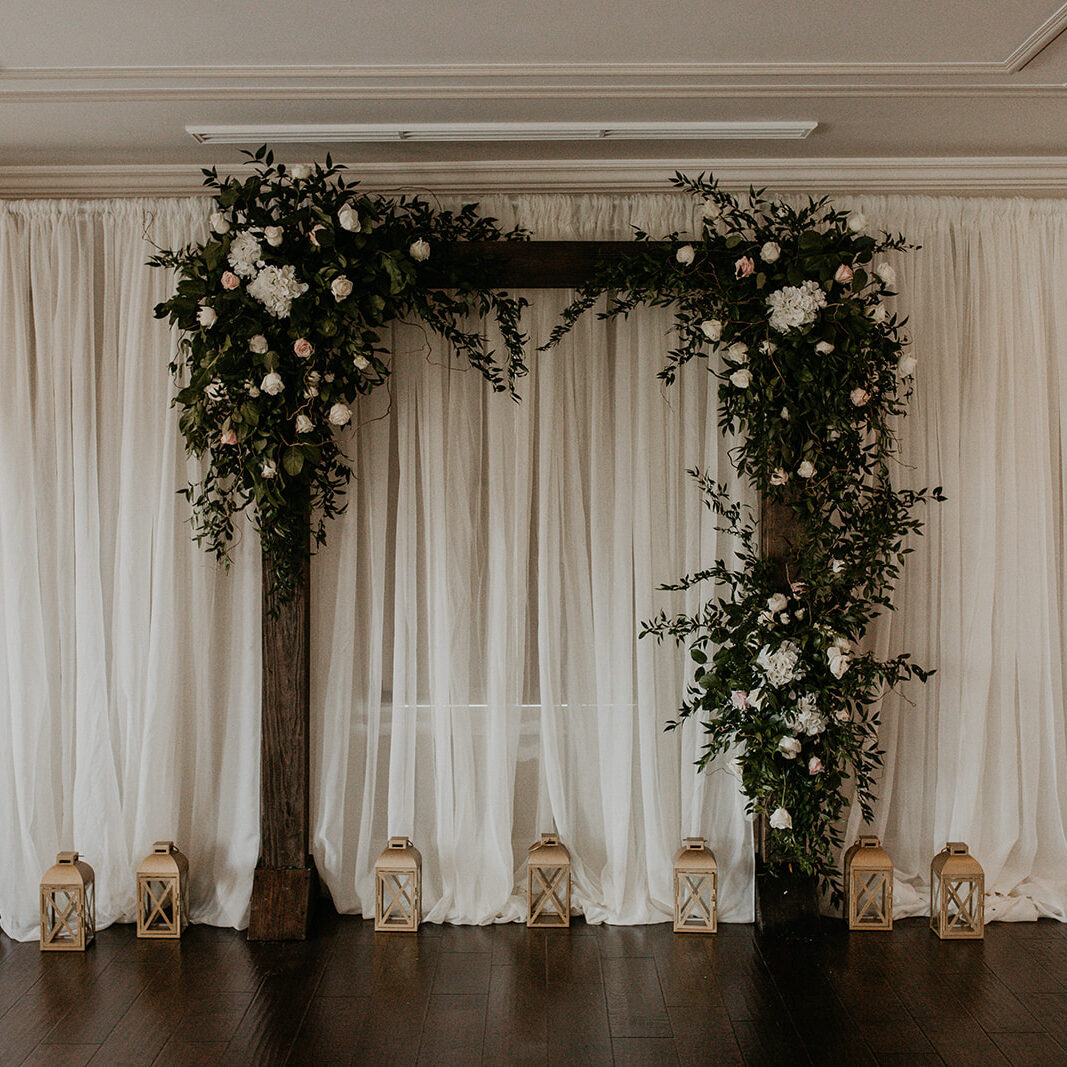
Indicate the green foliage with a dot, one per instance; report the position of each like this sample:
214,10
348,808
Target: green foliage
784,305
301,274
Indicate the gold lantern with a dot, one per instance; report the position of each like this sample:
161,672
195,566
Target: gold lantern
162,892
869,884
398,887
957,894
695,888
68,905
548,883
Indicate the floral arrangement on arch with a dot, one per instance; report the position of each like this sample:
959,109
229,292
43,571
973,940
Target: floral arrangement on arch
282,310
786,306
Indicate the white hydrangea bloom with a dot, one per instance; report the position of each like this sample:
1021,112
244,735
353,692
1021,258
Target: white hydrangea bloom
794,306
276,288
780,666
245,253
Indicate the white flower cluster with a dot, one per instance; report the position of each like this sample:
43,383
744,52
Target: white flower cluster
795,306
779,666
276,288
807,719
245,254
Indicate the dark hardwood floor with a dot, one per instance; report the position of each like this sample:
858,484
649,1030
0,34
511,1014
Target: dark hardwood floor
506,995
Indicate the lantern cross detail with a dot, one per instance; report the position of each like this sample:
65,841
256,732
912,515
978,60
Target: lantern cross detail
159,903
401,898
694,900
964,911
61,922
550,887
867,898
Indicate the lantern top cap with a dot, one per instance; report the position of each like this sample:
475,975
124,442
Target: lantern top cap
399,855
164,861
69,870
694,855
867,854
548,851
955,861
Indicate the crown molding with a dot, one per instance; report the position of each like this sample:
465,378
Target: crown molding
1009,175
1037,42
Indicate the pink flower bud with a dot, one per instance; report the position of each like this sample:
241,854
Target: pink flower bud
843,274
815,765
744,267
228,437
230,280
303,347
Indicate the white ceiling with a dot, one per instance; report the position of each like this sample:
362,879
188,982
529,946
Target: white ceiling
968,95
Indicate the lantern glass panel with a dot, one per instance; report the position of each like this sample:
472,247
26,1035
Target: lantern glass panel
694,896
870,900
159,906
397,900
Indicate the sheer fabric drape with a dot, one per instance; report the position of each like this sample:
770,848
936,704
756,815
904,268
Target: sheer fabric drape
476,671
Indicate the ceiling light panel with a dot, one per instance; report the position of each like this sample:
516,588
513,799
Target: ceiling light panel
459,132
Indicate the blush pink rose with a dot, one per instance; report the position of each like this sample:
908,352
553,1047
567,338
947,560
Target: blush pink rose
739,699
303,347
230,280
859,397
313,235
779,477
815,765
744,267
228,437
799,587
843,274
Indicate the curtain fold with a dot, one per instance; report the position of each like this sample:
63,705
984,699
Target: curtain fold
477,676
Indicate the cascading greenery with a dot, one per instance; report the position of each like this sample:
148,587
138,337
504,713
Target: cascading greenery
785,307
282,310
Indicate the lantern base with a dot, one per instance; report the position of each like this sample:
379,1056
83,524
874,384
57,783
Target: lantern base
787,904
283,900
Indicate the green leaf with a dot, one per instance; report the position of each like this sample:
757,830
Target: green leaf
293,461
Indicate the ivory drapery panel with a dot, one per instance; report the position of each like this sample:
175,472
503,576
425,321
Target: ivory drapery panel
476,671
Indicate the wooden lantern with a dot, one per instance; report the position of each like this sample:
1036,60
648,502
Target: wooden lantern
869,885
68,905
162,892
695,888
548,883
957,894
398,887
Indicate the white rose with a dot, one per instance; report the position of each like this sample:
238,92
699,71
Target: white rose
257,344
857,222
784,414
770,252
299,171
710,210
215,390
837,566
273,235
781,820
272,383
341,287
741,378
887,274
304,424
340,414
712,329
685,255
253,390
755,699
789,747
806,469
268,470
824,348
777,602
206,317
348,219
419,250
839,661
219,222
906,366
361,362
738,352
768,348
842,644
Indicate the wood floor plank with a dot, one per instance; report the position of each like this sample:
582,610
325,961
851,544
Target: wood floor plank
330,1032
634,999
455,1029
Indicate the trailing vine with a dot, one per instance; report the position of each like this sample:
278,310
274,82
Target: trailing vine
785,306
282,310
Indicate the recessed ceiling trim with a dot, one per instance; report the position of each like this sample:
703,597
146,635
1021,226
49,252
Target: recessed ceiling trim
1038,41
465,132
1010,175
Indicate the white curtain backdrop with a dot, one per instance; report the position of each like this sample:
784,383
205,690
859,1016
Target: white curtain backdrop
477,676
